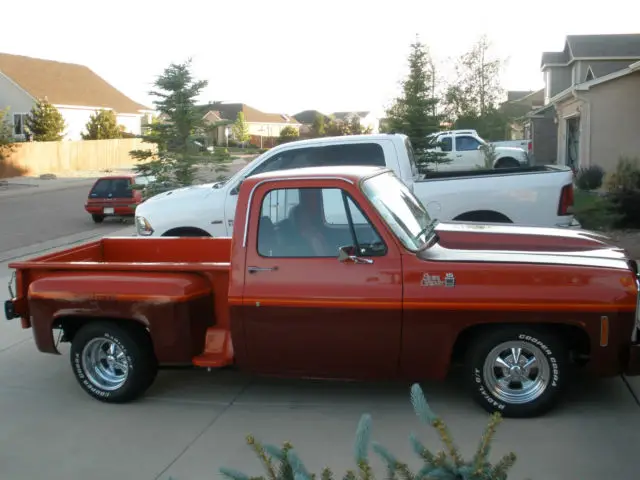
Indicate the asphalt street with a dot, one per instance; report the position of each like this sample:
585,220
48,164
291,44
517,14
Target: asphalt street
42,216
193,422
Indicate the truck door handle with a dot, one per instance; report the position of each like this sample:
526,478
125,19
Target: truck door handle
459,155
261,269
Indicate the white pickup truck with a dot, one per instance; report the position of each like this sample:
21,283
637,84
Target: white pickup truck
464,150
537,196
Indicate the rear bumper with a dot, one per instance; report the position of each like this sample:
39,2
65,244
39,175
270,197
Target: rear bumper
117,209
572,225
10,310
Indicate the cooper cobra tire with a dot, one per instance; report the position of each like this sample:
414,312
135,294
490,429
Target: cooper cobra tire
111,363
517,371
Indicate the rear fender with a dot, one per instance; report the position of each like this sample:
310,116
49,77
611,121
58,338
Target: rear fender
176,308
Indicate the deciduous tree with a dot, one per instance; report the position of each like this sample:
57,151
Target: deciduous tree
288,134
473,98
102,125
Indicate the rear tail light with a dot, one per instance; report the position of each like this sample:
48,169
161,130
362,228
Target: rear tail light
529,146
566,200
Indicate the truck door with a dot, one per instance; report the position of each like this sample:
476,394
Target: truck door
304,311
467,155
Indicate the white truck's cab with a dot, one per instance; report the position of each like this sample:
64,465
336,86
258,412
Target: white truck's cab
464,149
522,197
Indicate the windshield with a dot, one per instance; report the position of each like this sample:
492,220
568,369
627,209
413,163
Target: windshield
400,209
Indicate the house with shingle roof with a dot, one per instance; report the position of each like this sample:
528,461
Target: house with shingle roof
264,128
75,90
591,106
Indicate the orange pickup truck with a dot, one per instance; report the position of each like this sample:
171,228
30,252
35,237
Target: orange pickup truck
338,272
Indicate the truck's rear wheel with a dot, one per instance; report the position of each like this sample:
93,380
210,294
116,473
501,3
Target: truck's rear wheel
111,363
518,372
507,162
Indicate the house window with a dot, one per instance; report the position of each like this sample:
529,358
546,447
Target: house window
19,123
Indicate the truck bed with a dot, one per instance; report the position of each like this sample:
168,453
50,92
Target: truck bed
494,172
176,287
523,196
138,253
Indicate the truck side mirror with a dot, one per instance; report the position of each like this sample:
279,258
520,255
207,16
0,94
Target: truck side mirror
236,189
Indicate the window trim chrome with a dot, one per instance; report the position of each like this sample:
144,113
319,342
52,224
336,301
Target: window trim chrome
261,182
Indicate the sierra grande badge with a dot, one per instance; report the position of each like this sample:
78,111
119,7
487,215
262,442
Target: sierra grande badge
429,280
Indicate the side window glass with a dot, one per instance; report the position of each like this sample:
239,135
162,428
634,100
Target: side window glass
367,154
466,144
313,222
367,240
445,144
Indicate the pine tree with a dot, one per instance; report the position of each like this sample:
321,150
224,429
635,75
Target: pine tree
7,144
176,159
318,128
412,113
446,464
45,122
240,129
102,125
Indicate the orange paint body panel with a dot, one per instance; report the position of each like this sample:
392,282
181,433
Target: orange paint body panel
214,302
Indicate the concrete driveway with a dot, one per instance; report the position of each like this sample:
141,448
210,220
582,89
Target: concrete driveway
193,422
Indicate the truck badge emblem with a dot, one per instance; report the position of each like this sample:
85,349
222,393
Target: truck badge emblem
449,280
429,280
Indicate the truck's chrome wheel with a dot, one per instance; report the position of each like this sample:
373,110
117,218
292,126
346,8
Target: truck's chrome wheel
105,364
516,372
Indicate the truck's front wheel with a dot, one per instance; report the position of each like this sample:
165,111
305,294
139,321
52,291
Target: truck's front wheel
111,363
518,372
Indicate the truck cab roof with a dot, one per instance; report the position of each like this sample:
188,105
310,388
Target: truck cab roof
351,173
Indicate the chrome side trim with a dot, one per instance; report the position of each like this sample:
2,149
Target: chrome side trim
636,324
438,253
451,226
246,220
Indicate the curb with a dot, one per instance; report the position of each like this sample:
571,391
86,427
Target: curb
49,246
32,189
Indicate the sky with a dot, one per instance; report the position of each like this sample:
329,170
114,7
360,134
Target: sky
286,56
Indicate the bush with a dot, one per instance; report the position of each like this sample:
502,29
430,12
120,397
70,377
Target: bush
589,178
623,187
594,211
284,463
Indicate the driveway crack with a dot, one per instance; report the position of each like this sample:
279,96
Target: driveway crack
630,388
207,427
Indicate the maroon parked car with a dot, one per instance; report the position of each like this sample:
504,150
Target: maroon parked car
114,196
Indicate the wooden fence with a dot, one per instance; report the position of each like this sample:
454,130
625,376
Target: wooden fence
37,158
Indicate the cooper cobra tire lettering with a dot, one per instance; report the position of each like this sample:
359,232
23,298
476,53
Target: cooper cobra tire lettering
548,343
137,349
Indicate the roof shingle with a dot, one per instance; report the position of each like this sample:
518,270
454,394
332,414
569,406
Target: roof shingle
614,45
65,83
229,111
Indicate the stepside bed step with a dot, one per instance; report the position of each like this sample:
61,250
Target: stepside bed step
218,349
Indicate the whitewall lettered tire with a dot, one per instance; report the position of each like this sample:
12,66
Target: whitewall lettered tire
111,363
519,372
